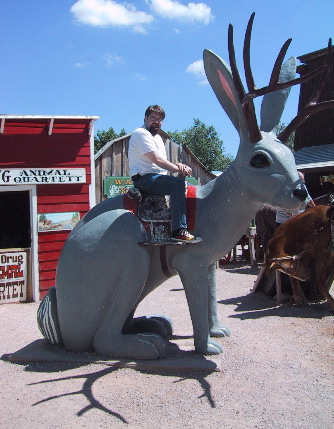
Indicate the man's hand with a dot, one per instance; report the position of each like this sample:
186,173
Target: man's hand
184,170
156,158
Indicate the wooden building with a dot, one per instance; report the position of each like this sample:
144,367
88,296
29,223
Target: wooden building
314,139
112,160
47,183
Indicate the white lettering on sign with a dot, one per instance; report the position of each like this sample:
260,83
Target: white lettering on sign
13,276
42,176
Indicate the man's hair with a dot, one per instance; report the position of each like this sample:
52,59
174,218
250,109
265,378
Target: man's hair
155,109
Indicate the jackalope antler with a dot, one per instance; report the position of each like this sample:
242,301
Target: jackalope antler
275,84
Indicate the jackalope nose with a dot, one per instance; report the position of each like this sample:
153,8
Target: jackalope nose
301,193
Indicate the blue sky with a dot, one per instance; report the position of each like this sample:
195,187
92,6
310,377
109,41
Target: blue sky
113,58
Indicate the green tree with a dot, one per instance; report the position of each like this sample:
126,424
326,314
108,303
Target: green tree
290,142
205,144
102,137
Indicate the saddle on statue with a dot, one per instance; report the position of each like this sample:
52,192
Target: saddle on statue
154,212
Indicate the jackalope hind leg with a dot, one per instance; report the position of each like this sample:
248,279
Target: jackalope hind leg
114,342
100,277
215,327
136,346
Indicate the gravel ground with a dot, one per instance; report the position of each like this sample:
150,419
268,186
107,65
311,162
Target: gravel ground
276,370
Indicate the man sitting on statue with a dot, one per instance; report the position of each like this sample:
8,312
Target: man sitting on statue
149,166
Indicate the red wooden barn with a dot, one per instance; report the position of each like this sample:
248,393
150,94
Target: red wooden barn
47,183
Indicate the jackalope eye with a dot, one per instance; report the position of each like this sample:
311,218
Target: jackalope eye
259,161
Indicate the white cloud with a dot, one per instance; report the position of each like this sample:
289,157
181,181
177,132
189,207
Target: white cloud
140,77
191,12
103,13
197,68
111,59
83,65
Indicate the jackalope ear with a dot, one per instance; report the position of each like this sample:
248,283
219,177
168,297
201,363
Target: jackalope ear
220,78
273,103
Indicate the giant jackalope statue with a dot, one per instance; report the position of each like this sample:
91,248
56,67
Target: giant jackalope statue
103,273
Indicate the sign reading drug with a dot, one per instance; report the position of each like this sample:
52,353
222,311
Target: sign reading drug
13,276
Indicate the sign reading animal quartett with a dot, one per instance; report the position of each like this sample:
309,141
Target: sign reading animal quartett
40,176
13,276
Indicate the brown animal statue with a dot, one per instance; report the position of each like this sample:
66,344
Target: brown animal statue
301,244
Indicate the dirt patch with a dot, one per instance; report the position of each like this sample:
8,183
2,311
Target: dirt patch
276,370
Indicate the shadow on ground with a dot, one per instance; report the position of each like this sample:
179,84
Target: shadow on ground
41,357
257,305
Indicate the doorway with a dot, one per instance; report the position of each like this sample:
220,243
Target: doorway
15,222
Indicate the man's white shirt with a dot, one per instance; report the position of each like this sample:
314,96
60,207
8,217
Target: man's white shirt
142,142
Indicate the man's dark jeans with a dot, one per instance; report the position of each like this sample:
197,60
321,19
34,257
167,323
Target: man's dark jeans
175,187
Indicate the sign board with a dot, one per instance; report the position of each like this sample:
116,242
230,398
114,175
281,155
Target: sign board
57,221
42,176
13,276
117,185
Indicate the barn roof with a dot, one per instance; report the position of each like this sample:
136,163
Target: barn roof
315,158
40,121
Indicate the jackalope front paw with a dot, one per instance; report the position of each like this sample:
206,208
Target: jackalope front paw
220,331
212,348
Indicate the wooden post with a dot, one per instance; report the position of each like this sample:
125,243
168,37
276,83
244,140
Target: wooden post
278,288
